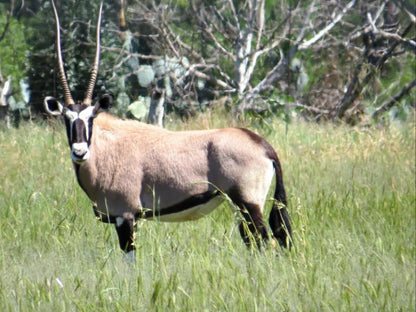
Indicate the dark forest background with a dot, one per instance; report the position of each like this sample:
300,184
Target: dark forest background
322,60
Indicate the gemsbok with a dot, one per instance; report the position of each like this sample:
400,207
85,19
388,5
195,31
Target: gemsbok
131,170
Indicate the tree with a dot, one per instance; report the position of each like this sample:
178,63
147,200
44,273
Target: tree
383,34
242,48
328,59
5,85
12,64
259,51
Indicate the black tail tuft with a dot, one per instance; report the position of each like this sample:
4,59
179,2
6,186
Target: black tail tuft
279,219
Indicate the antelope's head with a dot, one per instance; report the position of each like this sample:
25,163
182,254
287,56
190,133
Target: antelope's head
79,116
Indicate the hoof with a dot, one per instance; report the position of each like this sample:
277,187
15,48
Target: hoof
130,257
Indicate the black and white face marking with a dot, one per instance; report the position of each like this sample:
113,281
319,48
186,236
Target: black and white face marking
78,121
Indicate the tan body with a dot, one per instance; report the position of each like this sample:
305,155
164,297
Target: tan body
135,166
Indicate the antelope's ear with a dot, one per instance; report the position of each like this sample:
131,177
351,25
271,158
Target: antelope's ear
52,106
104,103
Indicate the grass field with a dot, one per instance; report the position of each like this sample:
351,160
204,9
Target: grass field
351,197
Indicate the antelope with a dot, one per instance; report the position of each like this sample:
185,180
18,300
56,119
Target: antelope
132,170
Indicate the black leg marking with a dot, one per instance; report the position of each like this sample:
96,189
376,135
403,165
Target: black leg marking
280,223
125,231
253,227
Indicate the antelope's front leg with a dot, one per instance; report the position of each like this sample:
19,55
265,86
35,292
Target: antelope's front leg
125,232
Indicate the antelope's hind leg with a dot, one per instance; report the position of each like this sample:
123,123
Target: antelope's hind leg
252,228
250,196
125,232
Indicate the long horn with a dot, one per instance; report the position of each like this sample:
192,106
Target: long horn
64,83
94,72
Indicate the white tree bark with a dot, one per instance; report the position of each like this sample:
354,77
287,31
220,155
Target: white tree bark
5,93
157,110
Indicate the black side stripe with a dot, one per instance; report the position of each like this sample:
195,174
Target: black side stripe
182,206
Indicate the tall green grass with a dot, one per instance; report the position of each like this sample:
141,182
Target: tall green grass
351,197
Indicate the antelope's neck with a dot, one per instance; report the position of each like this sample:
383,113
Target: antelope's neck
85,178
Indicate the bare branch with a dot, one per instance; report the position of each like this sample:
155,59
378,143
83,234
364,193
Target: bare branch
405,41
325,30
276,73
254,56
301,34
357,84
260,24
394,99
309,108
6,26
235,15
193,70
202,15
411,16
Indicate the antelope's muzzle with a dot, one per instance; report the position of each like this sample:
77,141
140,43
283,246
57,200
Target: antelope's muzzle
80,152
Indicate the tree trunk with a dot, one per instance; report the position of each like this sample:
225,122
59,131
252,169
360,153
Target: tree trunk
5,92
156,110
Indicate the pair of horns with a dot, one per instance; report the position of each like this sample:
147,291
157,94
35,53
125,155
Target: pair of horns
88,96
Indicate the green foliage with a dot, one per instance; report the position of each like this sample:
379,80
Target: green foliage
13,49
183,3
351,198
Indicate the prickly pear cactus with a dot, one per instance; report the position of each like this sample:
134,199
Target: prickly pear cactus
139,108
145,75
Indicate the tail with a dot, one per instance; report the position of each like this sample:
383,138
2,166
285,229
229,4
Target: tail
279,219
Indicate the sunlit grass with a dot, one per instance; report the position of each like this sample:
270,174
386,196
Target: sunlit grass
351,197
